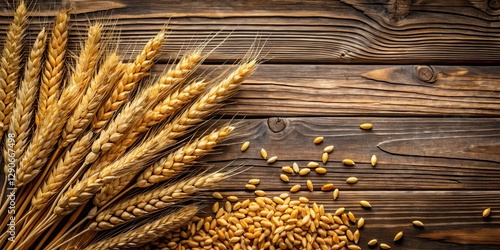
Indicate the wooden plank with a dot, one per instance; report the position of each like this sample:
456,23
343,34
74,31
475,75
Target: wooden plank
413,154
349,31
367,90
452,218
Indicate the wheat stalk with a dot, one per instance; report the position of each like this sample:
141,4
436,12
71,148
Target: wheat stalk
107,76
85,66
10,64
148,232
154,200
133,73
52,76
22,114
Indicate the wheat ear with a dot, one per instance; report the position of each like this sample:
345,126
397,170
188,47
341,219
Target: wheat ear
166,167
133,73
47,133
85,188
61,172
52,76
85,67
154,200
22,114
168,105
169,166
178,127
148,232
10,64
166,108
105,79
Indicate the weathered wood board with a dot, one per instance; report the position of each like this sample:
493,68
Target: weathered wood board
425,73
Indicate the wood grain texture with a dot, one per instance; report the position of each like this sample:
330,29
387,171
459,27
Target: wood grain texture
366,90
413,153
348,31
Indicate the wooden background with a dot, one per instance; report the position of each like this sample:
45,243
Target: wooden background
426,73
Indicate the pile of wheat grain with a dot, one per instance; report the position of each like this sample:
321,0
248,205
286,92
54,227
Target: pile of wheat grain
87,144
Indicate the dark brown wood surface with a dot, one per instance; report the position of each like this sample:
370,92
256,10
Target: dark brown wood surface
425,73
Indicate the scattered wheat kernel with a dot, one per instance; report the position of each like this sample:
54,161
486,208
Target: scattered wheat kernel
228,207
350,235
310,185
320,170
295,188
354,247
304,171
245,145
303,199
361,222
374,160
217,195
232,198
318,140
312,164
215,207
263,153
366,126
352,180
272,159
260,193
356,237
486,212
284,178
339,211
384,246
287,169
328,149
365,204
324,157
327,187
372,242
336,193
295,167
348,162
351,216
254,181
284,195
398,236
418,223
250,187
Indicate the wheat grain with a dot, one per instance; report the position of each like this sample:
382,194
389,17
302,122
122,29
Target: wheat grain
52,76
133,73
148,232
245,146
10,64
153,200
22,114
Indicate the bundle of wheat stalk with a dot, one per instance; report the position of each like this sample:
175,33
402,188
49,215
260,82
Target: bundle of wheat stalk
99,153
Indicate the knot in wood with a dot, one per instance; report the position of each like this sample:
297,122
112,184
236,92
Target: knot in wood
276,124
425,73
494,4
